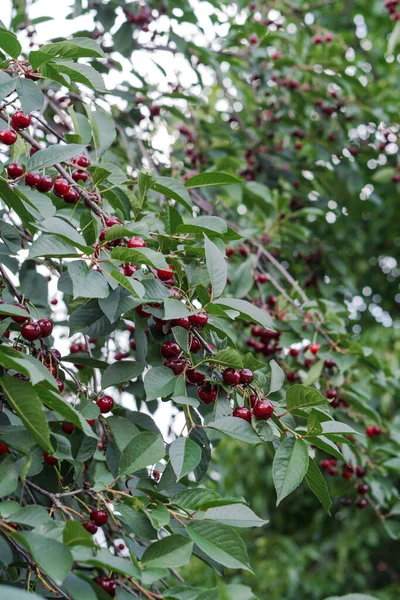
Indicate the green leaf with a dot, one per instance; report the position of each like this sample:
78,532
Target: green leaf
138,256
394,39
32,516
66,410
53,246
59,227
79,47
123,431
203,225
314,373
87,284
52,155
184,455
170,552
193,499
211,178
52,556
174,309
134,287
76,535
237,515
299,396
239,429
353,597
228,357
171,188
9,43
8,477
105,560
145,449
82,74
104,131
247,311
121,371
289,467
30,95
335,427
277,377
7,84
159,382
25,402
220,542
14,593
316,482
26,364
10,309
216,266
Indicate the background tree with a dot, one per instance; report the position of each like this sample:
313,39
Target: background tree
241,276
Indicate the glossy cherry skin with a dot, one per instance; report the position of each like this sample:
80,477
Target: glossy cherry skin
45,184
231,377
3,448
20,121
294,352
177,365
90,527
195,345
361,503
15,170
108,585
314,348
198,321
49,459
71,197
246,376
61,187
263,409
170,350
99,517
195,377
110,221
60,385
242,412
68,428
32,179
362,488
8,137
78,175
46,327
136,242
207,393
182,322
91,422
18,319
165,274
81,161
31,331
141,312
105,404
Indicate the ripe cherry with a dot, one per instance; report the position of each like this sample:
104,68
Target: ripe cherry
71,197
361,472
199,321
246,376
291,376
242,412
361,503
81,161
61,187
31,331
60,385
177,365
314,348
165,274
137,242
46,327
195,377
78,175
253,39
8,137
20,121
45,183
108,585
231,377
207,393
129,270
253,398
170,350
294,352
99,517
75,348
182,322
329,363
331,393
195,345
91,422
68,428
90,527
3,448
110,221
362,488
18,319
105,404
32,179
263,409
141,312
49,459
15,170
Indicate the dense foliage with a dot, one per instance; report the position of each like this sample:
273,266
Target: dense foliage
241,276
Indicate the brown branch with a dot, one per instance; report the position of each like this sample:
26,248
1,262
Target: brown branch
10,283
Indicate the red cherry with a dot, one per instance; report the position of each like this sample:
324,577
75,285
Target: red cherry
314,348
231,377
99,517
31,331
317,39
108,585
121,355
207,393
242,412
53,369
253,39
308,362
20,121
362,488
81,161
61,187
347,475
90,527
361,503
330,364
46,327
246,376
49,459
377,430
263,409
3,448
370,431
122,546
182,322
15,170
137,242
331,393
195,377
8,137
291,376
78,175
33,151
199,321
60,385
141,312
75,348
170,350
361,472
102,236
132,344
71,197
177,365
129,270
68,428
110,221
165,274
294,352
91,422
105,404
195,345
18,319
253,398
45,184
32,179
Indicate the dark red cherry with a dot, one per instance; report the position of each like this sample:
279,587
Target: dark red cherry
8,137
182,322
15,170
3,448
20,121
108,585
31,331
81,161
78,175
207,393
61,187
60,385
49,459
194,377
195,345
137,242
105,404
165,274
170,350
32,179
246,376
90,527
46,327
177,365
110,221
68,428
198,321
231,377
71,197
45,184
263,409
99,517
19,319
242,412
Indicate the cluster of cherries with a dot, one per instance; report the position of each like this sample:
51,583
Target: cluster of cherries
31,330
391,7
98,518
142,18
322,38
350,473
